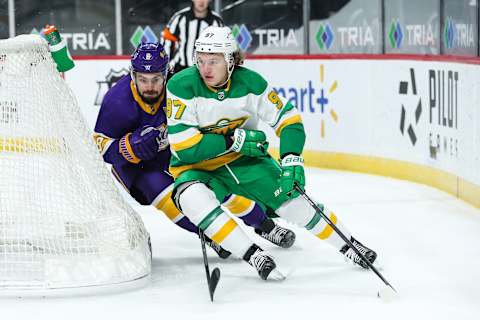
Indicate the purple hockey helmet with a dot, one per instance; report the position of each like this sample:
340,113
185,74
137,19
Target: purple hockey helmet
150,58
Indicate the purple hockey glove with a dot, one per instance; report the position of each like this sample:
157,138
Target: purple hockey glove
143,143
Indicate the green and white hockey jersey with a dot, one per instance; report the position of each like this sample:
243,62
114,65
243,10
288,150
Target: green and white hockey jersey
200,116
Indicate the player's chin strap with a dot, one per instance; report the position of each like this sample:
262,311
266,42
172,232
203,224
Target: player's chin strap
226,81
229,71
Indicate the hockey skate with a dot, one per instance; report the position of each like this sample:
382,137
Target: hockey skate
264,264
355,258
222,253
279,236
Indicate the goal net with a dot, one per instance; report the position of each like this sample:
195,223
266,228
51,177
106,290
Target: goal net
63,223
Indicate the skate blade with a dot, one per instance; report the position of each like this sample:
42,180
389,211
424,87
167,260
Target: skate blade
378,264
387,294
276,275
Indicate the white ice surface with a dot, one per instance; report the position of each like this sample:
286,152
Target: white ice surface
428,244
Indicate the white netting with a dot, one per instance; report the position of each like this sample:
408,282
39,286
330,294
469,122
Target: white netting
62,221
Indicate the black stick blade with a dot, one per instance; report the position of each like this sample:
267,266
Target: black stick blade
214,278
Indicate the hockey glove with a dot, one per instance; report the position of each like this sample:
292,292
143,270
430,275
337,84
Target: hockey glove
252,143
143,144
292,173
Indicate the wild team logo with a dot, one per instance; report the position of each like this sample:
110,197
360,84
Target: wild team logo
110,80
225,126
403,90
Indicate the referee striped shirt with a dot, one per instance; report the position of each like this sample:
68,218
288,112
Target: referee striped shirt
181,32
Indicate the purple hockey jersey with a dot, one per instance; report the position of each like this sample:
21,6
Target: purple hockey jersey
123,111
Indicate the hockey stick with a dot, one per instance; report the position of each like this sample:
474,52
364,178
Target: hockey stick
214,277
349,243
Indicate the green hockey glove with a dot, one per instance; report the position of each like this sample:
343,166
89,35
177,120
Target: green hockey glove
292,172
252,143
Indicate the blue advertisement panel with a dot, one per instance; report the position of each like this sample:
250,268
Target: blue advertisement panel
145,20
266,27
412,26
355,28
460,27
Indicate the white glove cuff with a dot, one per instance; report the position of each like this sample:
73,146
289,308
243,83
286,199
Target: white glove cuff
239,136
292,160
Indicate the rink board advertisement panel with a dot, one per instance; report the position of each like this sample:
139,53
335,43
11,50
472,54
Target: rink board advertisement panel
409,112
416,120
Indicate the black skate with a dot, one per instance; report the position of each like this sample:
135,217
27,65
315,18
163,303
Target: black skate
264,263
222,253
355,258
279,236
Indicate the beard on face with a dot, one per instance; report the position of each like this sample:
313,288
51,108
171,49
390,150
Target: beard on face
152,99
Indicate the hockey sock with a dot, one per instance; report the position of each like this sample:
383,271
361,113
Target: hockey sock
223,230
300,212
247,210
186,224
201,206
165,204
322,230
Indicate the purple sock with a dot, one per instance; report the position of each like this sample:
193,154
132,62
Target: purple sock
255,218
186,224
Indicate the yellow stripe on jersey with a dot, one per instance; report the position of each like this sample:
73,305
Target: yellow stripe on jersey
224,231
327,231
190,142
238,204
208,165
294,119
168,207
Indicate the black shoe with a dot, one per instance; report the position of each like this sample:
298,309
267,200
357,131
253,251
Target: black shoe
355,258
222,253
280,236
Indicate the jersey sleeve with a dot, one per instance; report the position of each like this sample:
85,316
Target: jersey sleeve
188,144
110,127
284,118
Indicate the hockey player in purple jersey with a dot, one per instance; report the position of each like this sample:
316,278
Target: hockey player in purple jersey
131,134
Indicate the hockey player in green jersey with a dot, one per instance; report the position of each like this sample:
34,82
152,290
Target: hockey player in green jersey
213,112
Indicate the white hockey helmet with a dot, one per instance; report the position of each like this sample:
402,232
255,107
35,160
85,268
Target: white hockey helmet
217,40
